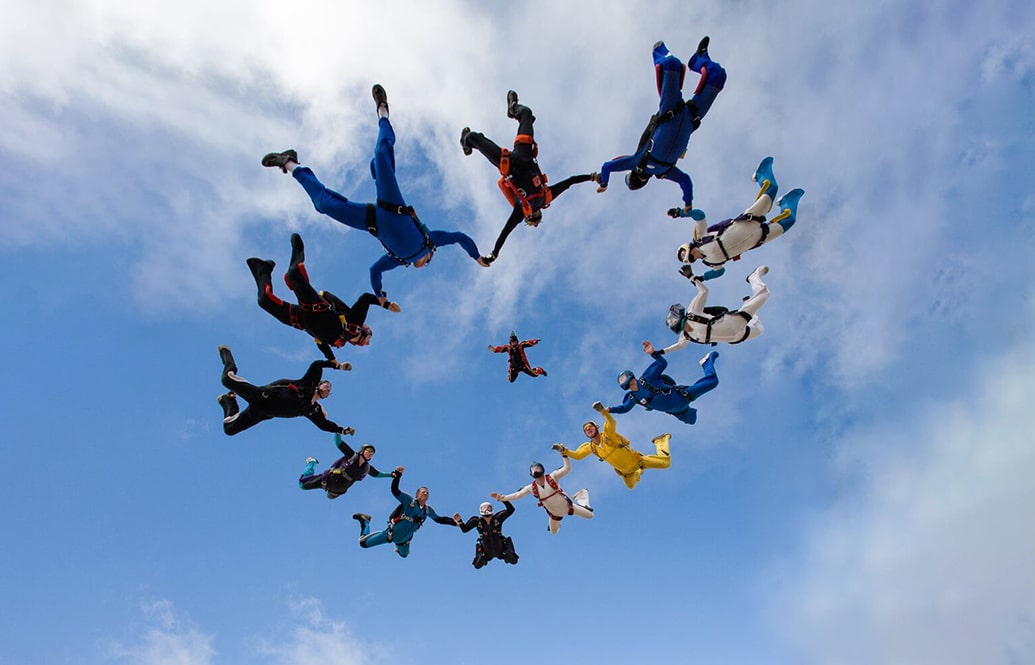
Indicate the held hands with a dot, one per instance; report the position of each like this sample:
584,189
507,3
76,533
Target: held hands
456,518
648,347
595,177
345,367
676,213
559,447
398,472
390,306
687,270
485,261
495,495
348,431
599,407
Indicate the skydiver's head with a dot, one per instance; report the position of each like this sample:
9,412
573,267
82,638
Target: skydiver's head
323,391
362,338
689,252
627,380
485,510
422,496
367,451
513,337
590,429
635,180
537,470
676,318
534,218
424,259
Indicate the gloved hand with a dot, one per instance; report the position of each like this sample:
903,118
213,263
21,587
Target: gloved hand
687,270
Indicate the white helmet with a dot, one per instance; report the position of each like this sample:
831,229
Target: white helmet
485,509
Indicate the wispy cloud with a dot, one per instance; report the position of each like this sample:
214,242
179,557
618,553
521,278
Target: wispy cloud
169,639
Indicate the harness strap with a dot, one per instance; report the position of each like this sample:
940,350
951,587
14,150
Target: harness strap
398,209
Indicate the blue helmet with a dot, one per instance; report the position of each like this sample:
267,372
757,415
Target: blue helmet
624,378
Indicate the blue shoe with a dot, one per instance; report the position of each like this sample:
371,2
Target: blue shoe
711,356
765,179
700,57
664,59
788,208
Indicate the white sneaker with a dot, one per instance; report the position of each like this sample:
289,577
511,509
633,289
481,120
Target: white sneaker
311,460
581,498
757,273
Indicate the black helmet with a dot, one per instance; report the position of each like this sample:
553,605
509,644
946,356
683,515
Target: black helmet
636,179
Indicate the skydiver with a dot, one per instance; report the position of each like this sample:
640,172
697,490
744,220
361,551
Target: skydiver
656,391
406,240
611,447
710,325
517,362
492,544
323,315
404,521
667,135
348,469
283,398
715,245
521,181
550,496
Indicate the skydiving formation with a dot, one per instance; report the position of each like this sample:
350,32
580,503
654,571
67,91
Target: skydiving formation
347,470
521,180
711,325
517,362
323,315
405,239
665,140
611,447
726,241
409,242
657,391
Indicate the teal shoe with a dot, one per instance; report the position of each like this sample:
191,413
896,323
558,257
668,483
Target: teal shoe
765,179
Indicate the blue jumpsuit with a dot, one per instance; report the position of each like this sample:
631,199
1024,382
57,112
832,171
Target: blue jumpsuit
657,394
401,531
404,238
657,156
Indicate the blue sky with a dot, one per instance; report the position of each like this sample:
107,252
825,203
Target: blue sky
856,490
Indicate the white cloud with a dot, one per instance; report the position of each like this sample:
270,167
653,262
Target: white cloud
318,638
928,556
170,640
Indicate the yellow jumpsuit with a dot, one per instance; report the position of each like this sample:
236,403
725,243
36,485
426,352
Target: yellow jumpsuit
614,449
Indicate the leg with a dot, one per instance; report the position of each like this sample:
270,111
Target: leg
713,78
526,126
554,526
788,213
630,479
331,203
479,142
709,380
759,291
403,549
297,277
383,164
661,460
261,271
582,511
241,421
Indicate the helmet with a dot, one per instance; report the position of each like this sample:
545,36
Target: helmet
683,253
676,317
541,470
534,218
635,180
362,338
367,445
624,378
485,509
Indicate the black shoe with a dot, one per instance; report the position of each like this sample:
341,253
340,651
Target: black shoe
261,271
229,403
512,100
702,48
463,140
228,359
380,96
361,517
280,159
297,250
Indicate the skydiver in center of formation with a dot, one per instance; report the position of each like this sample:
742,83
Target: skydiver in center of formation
667,135
656,391
611,447
517,361
323,315
406,240
521,180
492,544
716,244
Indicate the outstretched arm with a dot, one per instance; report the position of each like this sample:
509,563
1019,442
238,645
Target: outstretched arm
471,522
319,418
381,266
443,238
440,519
622,163
515,218
685,183
562,186
628,402
343,446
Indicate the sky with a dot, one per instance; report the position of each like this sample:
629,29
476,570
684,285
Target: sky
856,490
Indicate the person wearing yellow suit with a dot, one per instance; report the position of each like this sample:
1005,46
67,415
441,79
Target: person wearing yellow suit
611,447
